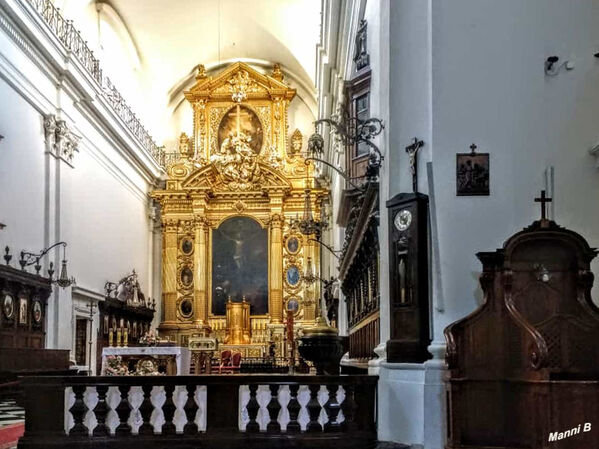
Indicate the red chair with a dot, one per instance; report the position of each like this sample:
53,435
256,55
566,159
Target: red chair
225,360
234,365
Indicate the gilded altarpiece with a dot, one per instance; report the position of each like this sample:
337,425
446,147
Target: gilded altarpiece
237,163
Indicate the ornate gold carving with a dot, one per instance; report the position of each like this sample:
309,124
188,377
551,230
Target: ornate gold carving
170,224
240,85
184,146
277,73
276,220
240,206
199,156
296,142
201,72
223,179
237,163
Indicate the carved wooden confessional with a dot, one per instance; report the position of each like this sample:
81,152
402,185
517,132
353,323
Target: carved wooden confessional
524,367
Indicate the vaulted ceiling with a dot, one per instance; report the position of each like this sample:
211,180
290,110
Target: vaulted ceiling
169,38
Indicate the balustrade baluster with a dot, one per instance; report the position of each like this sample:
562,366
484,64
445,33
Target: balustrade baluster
78,411
332,407
124,410
146,408
252,407
273,408
313,408
294,408
348,407
191,408
169,408
101,411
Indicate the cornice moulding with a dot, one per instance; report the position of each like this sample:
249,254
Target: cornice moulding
32,35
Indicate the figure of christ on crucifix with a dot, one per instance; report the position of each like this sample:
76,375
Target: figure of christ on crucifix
240,265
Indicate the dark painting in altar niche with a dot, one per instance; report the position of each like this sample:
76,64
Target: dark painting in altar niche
472,173
240,265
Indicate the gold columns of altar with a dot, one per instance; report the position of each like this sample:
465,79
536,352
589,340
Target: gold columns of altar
236,163
169,270
201,281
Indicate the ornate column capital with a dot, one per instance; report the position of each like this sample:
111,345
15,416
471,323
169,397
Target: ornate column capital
61,142
276,220
201,223
170,224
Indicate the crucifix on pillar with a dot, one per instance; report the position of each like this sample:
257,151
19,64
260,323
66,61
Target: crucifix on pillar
543,199
412,151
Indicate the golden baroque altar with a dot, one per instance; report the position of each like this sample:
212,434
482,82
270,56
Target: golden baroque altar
226,212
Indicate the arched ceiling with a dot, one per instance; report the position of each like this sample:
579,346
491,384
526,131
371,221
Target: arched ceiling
175,35
170,38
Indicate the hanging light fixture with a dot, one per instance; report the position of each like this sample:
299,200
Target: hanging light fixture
308,225
63,280
351,131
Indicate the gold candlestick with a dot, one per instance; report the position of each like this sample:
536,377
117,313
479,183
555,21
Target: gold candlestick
110,337
125,337
118,337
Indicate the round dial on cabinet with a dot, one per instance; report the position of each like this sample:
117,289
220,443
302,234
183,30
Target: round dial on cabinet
403,219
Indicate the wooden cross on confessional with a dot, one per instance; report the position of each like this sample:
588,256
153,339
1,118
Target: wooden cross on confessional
543,200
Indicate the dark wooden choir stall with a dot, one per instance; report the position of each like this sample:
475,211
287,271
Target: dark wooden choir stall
24,299
524,367
358,272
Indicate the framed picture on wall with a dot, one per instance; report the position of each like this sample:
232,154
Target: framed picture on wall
472,173
37,312
22,310
8,307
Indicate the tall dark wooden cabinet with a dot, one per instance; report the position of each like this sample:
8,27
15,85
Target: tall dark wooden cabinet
23,305
524,367
24,297
408,275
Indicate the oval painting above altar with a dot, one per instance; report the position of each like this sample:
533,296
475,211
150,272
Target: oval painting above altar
293,244
186,276
293,275
186,308
187,246
293,305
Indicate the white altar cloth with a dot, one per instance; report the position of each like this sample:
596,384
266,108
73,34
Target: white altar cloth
182,355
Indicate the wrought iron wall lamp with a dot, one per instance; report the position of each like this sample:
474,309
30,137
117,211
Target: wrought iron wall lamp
351,131
28,259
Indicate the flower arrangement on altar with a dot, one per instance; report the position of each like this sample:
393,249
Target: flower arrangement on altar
115,366
150,338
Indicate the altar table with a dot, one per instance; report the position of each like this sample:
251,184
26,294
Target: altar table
177,354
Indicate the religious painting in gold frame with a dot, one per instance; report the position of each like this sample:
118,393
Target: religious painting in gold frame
239,265
240,122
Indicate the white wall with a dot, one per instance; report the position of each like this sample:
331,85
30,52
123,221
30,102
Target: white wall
21,173
489,87
99,205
